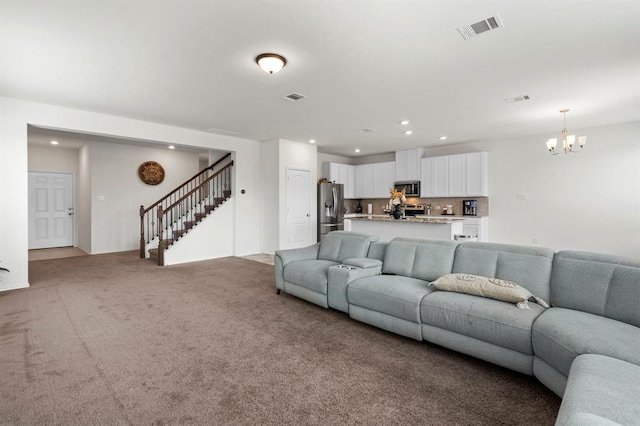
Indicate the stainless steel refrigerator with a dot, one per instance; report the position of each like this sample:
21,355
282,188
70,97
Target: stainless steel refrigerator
330,208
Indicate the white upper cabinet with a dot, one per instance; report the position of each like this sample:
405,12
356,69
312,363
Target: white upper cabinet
341,173
364,181
408,165
434,180
383,178
477,176
461,175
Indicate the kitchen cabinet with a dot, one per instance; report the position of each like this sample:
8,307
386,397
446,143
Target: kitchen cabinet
460,175
408,164
383,178
478,226
341,173
434,180
364,181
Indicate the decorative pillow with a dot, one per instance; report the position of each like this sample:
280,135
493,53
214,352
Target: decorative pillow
493,288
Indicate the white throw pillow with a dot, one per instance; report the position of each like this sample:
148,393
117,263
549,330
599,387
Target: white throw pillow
493,288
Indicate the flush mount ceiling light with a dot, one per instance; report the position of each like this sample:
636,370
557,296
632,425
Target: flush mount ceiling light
271,63
54,142
567,140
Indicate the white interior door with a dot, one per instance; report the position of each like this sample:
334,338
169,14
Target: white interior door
298,208
51,210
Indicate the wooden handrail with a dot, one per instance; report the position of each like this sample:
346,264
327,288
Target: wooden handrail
188,194
197,175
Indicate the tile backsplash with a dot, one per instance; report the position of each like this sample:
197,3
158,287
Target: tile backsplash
378,204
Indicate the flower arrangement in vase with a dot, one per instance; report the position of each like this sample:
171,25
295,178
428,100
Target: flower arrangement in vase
397,198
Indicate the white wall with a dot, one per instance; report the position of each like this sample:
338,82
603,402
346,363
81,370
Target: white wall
117,193
214,238
16,115
588,201
83,199
58,160
278,155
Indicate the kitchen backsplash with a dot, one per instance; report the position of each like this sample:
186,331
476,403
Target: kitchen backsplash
378,204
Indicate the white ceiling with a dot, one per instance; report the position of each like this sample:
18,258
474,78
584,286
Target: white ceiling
362,64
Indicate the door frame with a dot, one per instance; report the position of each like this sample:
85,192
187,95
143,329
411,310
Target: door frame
74,225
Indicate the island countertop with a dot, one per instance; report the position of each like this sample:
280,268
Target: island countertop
388,228
409,219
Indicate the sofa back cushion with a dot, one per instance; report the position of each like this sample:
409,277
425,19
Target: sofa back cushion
417,258
529,267
377,250
599,284
340,245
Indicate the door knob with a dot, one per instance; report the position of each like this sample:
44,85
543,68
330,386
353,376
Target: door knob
308,215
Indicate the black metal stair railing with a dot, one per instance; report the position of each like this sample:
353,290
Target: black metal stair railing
173,215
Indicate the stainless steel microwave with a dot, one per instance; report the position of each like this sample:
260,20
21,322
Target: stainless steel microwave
411,188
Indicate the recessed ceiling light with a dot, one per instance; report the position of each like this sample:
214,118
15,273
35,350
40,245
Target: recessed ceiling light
312,141
54,142
357,150
404,122
172,147
443,138
408,132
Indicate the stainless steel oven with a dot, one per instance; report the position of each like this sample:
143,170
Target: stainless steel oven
411,188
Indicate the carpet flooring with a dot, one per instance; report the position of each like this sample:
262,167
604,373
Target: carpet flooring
116,340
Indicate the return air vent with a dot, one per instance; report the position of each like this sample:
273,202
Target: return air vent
492,23
517,99
295,97
221,131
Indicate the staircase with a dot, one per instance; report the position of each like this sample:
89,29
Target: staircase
170,218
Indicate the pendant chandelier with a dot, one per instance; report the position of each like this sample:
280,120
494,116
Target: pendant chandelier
567,140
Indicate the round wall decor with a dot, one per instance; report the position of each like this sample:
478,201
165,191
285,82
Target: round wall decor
151,173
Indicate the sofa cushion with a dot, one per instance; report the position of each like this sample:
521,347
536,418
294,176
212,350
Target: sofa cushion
393,295
492,321
600,284
493,288
416,258
528,266
339,245
310,274
601,391
559,335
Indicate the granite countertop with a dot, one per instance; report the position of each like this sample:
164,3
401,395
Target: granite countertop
387,218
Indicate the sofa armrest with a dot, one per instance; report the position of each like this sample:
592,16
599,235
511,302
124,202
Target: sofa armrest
284,257
340,276
362,262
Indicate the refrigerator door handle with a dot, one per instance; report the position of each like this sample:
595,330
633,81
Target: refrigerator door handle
334,193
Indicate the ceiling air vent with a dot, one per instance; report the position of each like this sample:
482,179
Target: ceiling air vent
517,99
295,97
492,23
221,131
366,130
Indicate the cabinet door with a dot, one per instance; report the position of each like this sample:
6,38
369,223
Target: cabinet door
402,166
347,178
364,181
383,178
457,175
476,174
434,177
414,164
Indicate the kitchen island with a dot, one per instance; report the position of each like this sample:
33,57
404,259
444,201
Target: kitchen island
388,228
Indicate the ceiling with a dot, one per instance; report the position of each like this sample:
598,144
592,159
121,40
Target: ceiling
363,64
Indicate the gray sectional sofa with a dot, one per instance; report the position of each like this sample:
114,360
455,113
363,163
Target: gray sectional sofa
585,347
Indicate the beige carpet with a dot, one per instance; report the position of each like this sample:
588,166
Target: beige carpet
114,339
55,253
